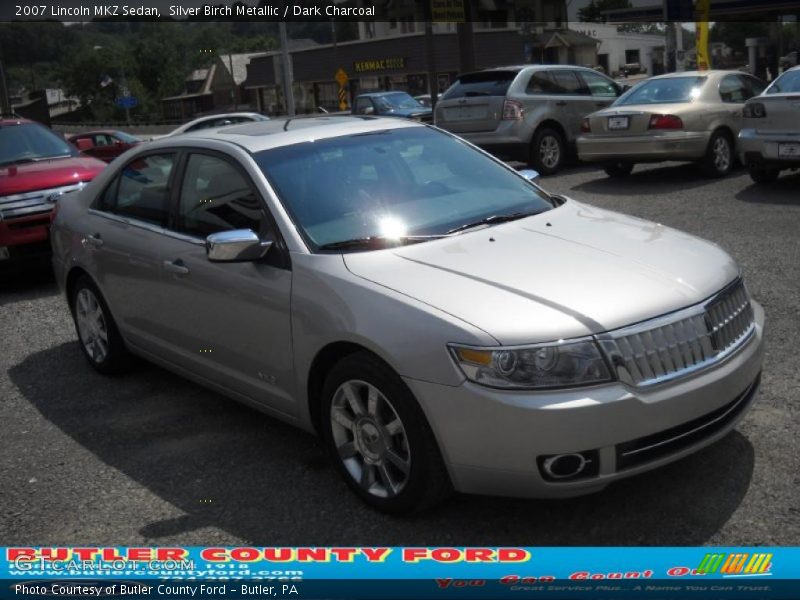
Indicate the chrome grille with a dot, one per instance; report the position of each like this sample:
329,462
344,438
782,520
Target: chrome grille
677,344
32,203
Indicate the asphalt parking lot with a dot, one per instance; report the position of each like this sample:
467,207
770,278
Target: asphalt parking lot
151,459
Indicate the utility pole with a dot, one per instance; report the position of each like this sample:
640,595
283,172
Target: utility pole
679,58
286,64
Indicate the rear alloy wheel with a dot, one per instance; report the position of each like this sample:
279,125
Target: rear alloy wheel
547,151
618,169
98,336
764,174
379,438
719,156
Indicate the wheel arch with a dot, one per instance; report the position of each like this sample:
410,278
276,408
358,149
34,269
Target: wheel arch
553,124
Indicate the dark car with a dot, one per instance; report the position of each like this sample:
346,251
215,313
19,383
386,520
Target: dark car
392,104
106,144
37,167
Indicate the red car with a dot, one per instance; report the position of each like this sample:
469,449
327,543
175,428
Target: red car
36,168
105,144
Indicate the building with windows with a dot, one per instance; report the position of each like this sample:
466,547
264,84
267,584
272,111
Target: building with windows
619,48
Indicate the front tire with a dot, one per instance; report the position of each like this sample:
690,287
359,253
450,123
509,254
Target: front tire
379,438
98,336
763,174
719,157
618,169
548,151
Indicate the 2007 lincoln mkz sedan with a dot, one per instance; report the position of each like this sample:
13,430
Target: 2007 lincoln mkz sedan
440,320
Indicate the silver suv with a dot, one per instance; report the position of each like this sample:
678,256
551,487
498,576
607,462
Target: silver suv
527,113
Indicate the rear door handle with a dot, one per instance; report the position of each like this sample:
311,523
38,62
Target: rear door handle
93,239
561,103
176,266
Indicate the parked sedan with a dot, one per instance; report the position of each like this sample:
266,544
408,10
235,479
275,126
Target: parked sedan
217,121
105,144
439,319
770,138
392,104
692,116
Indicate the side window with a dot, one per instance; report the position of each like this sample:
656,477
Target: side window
732,89
362,104
755,86
202,125
568,84
541,83
141,190
600,86
215,197
101,139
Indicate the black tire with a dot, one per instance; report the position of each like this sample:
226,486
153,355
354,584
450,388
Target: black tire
720,155
763,174
112,357
427,482
618,169
548,151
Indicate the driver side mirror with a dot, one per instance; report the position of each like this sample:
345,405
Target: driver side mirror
239,245
529,174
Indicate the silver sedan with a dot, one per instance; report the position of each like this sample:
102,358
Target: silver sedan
769,142
439,319
692,116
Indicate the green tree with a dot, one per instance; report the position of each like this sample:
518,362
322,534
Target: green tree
593,12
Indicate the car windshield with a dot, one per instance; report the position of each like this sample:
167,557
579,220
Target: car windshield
126,137
787,83
398,100
31,142
394,184
663,91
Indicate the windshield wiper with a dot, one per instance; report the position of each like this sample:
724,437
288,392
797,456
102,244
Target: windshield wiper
493,220
377,241
31,159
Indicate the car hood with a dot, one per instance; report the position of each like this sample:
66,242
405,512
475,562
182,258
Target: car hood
573,271
29,177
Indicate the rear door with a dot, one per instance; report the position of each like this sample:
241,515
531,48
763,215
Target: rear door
122,235
474,103
574,102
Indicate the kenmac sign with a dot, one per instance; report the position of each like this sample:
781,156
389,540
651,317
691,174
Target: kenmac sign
382,64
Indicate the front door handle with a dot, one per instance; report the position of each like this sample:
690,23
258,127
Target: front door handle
176,266
93,239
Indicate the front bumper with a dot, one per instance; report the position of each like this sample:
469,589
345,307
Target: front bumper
25,240
652,147
761,149
491,440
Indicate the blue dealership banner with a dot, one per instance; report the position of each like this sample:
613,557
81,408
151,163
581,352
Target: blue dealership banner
400,572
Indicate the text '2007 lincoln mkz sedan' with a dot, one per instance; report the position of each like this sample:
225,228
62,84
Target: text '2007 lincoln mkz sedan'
440,320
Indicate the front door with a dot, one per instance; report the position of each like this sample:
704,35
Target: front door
227,322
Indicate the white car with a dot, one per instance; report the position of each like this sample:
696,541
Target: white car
217,121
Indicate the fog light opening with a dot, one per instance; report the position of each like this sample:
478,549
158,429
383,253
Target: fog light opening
563,466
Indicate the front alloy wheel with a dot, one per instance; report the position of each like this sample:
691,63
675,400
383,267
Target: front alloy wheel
379,438
370,438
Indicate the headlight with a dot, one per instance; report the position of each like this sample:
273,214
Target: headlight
563,364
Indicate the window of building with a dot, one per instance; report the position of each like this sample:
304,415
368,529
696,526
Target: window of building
632,56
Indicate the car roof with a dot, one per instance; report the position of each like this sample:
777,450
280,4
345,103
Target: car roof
95,132
370,94
264,135
223,115
14,121
709,73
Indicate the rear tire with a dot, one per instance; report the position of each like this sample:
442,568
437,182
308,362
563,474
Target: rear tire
548,151
719,158
98,336
378,436
763,174
618,170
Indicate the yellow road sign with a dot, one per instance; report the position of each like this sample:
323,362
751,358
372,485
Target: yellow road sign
341,77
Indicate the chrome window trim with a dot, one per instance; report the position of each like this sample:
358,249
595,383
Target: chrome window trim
147,226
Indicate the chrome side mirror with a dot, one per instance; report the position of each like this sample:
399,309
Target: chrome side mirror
238,245
529,174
